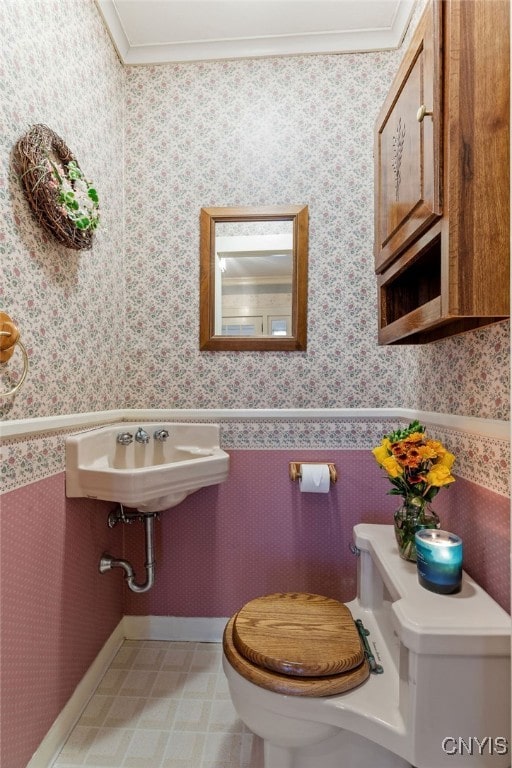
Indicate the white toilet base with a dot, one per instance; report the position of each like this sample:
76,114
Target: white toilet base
292,742
343,750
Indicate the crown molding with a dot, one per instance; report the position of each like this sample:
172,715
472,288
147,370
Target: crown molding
329,42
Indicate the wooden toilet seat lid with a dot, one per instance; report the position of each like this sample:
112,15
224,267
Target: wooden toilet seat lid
299,634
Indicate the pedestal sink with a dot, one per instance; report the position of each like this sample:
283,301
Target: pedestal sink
146,466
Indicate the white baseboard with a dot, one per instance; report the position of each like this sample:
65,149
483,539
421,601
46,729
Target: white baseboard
56,737
193,629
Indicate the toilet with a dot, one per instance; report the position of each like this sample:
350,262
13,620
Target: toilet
398,677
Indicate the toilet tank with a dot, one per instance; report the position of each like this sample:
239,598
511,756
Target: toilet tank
452,653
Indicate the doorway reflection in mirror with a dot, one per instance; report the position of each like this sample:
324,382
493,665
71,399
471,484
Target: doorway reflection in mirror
254,272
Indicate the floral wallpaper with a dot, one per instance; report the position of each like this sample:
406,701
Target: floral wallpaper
58,67
295,130
118,326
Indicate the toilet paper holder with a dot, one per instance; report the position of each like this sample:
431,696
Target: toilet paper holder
294,469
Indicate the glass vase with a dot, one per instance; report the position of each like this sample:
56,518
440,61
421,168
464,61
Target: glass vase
408,519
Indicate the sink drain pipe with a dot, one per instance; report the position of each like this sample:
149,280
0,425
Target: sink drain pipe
107,562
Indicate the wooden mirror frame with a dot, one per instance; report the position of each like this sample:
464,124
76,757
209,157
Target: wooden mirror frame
298,215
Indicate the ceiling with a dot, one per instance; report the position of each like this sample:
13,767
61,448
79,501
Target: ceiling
164,31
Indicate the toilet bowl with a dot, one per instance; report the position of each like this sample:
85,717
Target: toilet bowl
300,679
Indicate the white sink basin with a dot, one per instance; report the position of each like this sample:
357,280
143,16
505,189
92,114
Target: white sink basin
149,477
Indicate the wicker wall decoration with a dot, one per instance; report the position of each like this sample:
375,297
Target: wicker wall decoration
62,199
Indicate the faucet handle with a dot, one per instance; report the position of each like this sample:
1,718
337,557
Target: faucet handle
124,438
141,436
161,434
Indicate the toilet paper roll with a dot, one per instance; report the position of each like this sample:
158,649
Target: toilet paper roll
315,478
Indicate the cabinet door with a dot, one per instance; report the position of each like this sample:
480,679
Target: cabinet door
408,145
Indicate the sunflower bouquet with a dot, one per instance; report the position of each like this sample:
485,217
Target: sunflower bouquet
417,468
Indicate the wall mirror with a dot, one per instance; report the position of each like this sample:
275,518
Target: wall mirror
253,286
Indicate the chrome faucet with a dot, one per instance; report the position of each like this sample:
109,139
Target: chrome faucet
141,436
161,434
125,438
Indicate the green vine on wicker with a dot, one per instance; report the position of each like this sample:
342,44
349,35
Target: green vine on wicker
80,200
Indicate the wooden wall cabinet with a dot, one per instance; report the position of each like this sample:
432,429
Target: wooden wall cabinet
442,225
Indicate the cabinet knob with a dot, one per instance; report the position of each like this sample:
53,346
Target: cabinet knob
422,112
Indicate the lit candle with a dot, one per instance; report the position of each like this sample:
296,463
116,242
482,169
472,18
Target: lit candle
439,560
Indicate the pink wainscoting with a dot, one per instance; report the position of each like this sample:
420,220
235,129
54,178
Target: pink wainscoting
482,519
256,533
57,611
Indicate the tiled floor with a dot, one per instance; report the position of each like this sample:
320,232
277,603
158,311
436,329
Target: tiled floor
162,705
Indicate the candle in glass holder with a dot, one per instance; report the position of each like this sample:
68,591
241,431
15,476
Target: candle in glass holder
439,560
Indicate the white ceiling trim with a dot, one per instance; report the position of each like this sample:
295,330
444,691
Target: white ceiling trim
359,40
